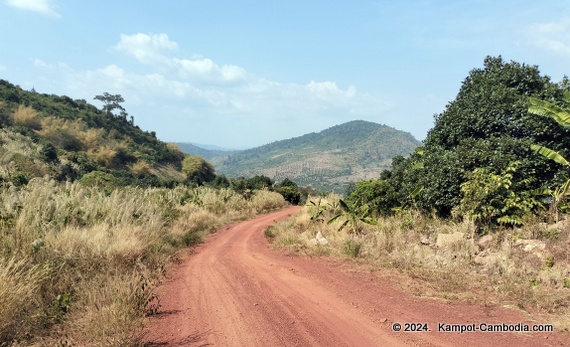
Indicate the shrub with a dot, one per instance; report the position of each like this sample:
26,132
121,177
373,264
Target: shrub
141,169
104,156
491,199
48,153
100,179
351,247
378,195
28,117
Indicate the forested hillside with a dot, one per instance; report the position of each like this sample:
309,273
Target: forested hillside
328,160
68,139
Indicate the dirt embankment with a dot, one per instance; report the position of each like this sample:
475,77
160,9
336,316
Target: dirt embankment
235,291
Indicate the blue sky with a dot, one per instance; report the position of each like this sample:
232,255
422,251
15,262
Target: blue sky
240,74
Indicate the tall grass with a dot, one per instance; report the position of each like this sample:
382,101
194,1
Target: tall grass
502,274
78,265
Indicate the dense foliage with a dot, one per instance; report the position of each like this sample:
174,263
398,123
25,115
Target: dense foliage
488,125
66,139
477,160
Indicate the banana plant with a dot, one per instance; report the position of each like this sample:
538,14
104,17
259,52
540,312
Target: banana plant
559,194
353,217
548,109
562,117
316,210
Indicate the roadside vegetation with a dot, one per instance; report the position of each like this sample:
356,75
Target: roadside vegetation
78,265
478,212
92,210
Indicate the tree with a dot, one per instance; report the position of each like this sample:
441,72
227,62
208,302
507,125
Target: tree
489,199
289,190
198,170
260,182
494,101
379,195
112,102
488,126
221,181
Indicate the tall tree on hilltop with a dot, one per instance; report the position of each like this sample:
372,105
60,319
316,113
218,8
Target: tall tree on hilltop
112,102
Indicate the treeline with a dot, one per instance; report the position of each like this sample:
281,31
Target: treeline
481,159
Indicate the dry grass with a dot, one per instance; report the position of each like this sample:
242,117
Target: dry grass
503,273
19,284
26,116
78,265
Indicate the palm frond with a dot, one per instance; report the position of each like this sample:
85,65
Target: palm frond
343,225
548,109
335,218
550,154
344,205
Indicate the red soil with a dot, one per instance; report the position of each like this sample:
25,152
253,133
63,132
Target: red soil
235,291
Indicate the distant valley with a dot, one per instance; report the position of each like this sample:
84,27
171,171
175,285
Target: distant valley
328,160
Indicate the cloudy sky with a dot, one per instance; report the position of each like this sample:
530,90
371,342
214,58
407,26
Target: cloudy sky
242,73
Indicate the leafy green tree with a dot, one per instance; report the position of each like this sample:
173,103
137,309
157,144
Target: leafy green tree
562,117
289,190
491,199
48,153
112,102
221,181
198,170
487,126
100,179
5,119
259,182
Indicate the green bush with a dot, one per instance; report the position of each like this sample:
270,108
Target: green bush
378,195
490,199
351,247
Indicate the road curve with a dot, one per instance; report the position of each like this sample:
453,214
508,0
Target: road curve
235,291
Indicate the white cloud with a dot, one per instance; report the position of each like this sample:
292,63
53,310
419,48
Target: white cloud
146,48
552,36
205,70
330,91
44,7
38,63
185,98
153,50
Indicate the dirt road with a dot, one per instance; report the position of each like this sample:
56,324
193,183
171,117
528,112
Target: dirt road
235,291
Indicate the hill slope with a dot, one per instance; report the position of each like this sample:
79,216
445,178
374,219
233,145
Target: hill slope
328,160
213,155
67,139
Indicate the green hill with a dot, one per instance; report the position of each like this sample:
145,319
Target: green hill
68,139
328,160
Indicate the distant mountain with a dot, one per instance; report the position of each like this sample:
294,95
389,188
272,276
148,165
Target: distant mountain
328,160
214,154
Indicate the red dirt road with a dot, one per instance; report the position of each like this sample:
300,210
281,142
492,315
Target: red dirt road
235,291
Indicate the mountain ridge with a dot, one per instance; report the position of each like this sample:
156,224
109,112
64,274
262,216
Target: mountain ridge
327,160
